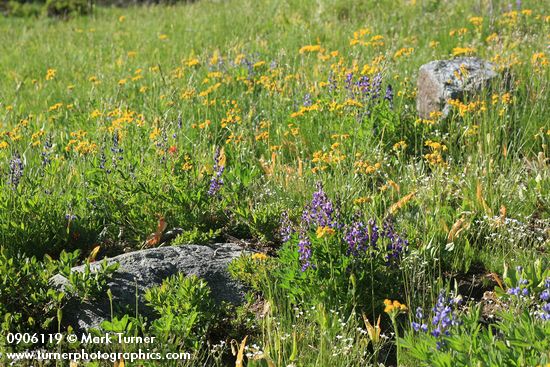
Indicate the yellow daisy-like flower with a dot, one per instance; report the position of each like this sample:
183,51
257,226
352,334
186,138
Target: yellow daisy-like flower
324,231
394,307
259,256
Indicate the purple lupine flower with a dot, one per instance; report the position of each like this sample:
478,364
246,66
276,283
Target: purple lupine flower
47,151
304,249
444,317
102,161
396,245
357,238
349,78
389,95
286,229
116,150
420,325
16,170
307,100
521,288
374,233
216,182
364,86
332,84
376,87
320,211
250,68
545,296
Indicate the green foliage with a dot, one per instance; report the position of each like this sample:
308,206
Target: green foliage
196,236
29,302
66,8
21,8
252,270
516,339
185,311
88,283
518,334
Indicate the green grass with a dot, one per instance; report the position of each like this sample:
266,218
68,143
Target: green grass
135,75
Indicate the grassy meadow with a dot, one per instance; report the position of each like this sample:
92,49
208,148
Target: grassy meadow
291,127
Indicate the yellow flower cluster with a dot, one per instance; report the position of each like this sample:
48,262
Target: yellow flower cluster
232,116
394,307
305,109
458,32
539,60
79,145
471,107
406,51
366,168
325,231
311,48
463,51
259,256
435,157
50,74
359,39
332,157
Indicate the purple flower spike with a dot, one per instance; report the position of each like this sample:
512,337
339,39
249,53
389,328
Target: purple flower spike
216,182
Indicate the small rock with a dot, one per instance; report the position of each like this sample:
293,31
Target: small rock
441,80
141,270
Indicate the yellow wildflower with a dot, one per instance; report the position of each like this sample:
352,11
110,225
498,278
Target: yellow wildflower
459,51
50,74
259,256
324,231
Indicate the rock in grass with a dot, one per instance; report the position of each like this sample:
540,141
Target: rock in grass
144,269
441,80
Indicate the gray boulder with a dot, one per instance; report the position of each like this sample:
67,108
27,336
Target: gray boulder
144,269
441,80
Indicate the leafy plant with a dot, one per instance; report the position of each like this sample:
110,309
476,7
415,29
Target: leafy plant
186,311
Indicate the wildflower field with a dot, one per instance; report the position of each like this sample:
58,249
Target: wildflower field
290,127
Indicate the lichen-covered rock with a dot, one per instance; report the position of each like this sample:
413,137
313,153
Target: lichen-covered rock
441,80
144,269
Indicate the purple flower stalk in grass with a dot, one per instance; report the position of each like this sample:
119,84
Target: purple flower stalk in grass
444,317
304,249
286,229
357,237
216,182
521,288
307,100
545,297
320,212
16,170
376,87
396,244
420,325
389,95
47,151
